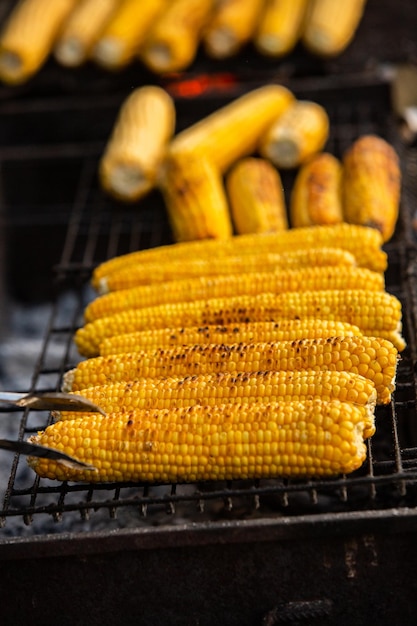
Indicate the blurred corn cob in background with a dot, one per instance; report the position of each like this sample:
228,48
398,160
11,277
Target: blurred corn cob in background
280,26
256,197
330,26
232,25
82,29
145,123
173,39
316,196
27,37
126,31
301,131
372,184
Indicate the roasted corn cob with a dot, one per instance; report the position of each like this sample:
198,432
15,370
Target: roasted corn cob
316,196
173,40
312,438
145,123
233,131
330,26
81,30
256,197
364,243
28,36
372,184
280,26
312,278
195,198
375,359
371,311
287,330
301,131
231,27
125,32
137,274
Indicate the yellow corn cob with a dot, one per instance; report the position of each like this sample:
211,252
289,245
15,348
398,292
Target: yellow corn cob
312,278
232,25
316,196
145,123
280,26
364,243
372,184
233,131
287,330
330,26
301,131
375,359
195,198
172,42
371,311
81,30
28,35
125,33
256,197
308,439
136,274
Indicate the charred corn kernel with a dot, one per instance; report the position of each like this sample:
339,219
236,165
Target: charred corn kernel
287,330
276,439
173,40
81,30
371,311
145,123
280,26
151,273
231,27
126,31
300,132
330,26
312,278
373,358
372,184
363,242
28,35
195,198
233,131
231,388
316,197
256,197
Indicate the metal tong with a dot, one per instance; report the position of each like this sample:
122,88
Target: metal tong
45,401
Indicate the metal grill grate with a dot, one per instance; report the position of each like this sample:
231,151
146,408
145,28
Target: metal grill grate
93,228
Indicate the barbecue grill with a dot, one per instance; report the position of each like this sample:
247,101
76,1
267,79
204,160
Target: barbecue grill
238,553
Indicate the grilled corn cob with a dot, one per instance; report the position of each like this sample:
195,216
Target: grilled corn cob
313,278
81,30
233,130
280,26
330,26
256,197
371,311
195,198
301,131
287,330
313,438
146,122
231,26
364,243
28,35
375,359
372,184
152,273
172,42
316,196
125,33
